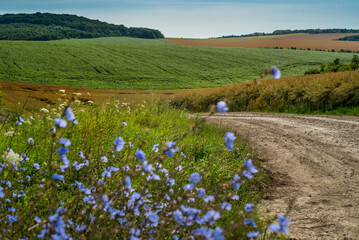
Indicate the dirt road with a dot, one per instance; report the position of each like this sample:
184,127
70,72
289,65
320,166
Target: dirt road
314,160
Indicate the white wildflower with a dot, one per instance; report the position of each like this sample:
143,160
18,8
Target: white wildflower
89,101
62,90
12,157
78,102
77,93
9,133
44,110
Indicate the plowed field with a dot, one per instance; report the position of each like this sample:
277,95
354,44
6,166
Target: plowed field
313,41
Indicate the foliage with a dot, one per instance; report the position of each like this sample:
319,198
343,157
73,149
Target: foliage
132,63
350,38
336,66
305,94
48,26
85,181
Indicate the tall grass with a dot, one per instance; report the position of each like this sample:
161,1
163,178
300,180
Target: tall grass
336,93
98,187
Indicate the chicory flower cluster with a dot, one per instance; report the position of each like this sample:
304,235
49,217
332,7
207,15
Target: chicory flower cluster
118,193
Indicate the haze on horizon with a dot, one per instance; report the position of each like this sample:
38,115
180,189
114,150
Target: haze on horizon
203,18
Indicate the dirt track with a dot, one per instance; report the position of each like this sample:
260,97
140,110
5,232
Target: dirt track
314,160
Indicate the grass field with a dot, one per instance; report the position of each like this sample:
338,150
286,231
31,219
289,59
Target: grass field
126,63
302,40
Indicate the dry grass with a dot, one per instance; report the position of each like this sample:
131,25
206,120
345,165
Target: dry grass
37,96
304,41
319,92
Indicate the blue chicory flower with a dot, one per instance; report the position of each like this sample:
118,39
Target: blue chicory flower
69,114
249,207
229,138
253,235
61,123
195,178
118,144
30,140
140,155
222,107
248,163
275,72
65,142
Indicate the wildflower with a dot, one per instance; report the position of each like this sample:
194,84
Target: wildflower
201,192
236,182
9,133
248,163
283,223
195,178
130,144
179,168
89,101
20,121
65,142
1,193
62,150
208,199
275,72
171,182
171,149
188,187
251,222
235,197
30,140
58,177
37,219
153,217
211,217
11,157
249,207
104,159
126,168
247,174
155,148
44,110
128,182
62,90
222,107
146,167
118,144
227,206
12,218
155,177
140,155
69,114
61,123
229,140
124,123
253,235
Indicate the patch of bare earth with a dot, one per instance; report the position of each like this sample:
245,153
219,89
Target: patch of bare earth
314,160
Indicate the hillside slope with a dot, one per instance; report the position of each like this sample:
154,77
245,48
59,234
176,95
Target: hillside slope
128,63
48,26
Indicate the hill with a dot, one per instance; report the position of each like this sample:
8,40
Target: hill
320,42
130,63
288,31
48,26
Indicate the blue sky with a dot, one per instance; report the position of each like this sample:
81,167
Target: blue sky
203,18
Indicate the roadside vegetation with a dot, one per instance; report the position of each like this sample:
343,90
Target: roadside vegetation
328,93
129,63
132,172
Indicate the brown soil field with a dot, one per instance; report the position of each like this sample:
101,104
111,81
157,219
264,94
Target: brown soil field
313,41
37,96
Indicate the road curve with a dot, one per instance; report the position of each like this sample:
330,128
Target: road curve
314,160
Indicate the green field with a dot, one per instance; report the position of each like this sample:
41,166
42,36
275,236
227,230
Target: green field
127,63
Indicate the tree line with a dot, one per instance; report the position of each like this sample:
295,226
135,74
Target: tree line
48,26
350,38
336,66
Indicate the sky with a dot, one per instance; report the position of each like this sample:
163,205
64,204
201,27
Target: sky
203,18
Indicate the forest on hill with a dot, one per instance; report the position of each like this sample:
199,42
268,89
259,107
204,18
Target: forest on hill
288,31
350,38
48,26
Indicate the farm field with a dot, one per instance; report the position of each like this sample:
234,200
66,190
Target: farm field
139,64
302,40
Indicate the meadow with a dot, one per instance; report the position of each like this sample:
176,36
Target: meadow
119,171
139,64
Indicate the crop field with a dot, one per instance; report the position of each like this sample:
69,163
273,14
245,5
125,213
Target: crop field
138,64
323,41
